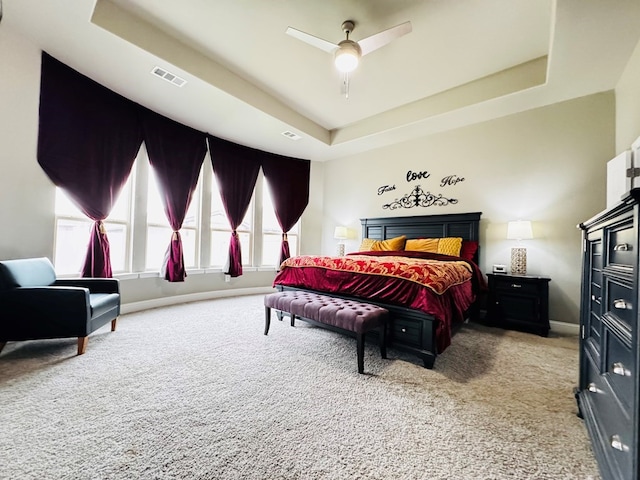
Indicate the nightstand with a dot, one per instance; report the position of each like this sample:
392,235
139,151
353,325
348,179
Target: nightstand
519,302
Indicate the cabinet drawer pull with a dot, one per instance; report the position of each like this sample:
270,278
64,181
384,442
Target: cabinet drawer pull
619,369
515,285
592,388
403,330
616,442
622,247
596,299
622,304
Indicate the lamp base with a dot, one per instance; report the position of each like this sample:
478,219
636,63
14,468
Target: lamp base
518,261
341,249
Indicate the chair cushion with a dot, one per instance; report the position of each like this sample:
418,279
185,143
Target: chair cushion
26,272
102,303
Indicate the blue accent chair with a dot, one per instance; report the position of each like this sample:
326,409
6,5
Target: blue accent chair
36,305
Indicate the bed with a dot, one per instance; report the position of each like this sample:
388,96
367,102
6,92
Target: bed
421,321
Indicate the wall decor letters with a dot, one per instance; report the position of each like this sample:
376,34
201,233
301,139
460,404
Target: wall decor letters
412,176
419,198
451,180
386,188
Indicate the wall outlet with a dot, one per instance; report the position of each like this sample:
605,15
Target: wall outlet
499,269
227,278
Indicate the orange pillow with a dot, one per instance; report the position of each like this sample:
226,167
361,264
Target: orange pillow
444,246
422,245
392,244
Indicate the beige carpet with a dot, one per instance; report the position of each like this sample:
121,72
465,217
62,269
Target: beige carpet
198,392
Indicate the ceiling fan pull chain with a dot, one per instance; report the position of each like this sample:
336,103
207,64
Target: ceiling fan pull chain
345,83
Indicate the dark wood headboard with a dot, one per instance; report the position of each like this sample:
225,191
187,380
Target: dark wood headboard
465,225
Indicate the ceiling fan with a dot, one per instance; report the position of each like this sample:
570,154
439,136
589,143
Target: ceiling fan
348,52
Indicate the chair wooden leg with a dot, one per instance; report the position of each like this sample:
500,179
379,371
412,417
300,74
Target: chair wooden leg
113,324
82,344
2,344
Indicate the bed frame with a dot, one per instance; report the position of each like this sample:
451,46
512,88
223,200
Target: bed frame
412,330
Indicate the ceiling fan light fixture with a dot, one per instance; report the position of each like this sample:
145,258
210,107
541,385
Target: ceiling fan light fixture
347,56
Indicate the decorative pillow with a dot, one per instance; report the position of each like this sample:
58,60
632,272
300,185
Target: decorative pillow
444,246
422,245
392,244
450,246
468,249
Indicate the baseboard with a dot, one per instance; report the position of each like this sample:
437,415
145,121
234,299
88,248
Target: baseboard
564,328
191,297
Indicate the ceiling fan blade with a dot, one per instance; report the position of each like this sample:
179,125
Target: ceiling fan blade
377,40
311,40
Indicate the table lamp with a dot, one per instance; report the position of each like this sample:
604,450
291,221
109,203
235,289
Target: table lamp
519,230
340,233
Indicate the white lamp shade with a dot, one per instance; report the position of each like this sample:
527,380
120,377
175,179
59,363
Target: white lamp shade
347,56
519,230
340,233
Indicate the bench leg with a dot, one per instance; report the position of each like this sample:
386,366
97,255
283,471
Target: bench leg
113,324
267,319
360,352
293,320
383,341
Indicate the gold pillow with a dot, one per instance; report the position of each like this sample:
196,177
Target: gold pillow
450,246
422,245
444,246
392,244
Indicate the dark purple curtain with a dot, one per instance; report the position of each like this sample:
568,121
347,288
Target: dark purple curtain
176,153
288,180
88,138
236,169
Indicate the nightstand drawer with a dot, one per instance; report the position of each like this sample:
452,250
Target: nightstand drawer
517,286
407,332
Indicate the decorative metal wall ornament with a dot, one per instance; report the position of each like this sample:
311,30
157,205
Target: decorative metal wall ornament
419,198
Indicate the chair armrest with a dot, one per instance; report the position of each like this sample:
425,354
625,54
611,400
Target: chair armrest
95,285
52,303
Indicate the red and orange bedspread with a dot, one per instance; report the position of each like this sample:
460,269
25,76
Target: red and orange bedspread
438,285
437,275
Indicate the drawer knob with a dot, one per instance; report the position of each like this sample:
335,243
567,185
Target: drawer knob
622,304
616,442
515,285
592,388
596,299
619,369
622,247
403,330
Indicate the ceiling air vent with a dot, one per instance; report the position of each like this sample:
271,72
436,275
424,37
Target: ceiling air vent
290,135
168,76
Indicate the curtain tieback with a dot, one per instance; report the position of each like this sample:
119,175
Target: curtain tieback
175,235
101,227
284,237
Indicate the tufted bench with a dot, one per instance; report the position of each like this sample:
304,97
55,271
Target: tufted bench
337,313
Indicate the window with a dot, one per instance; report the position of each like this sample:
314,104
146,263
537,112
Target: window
73,229
159,232
272,233
221,231
140,234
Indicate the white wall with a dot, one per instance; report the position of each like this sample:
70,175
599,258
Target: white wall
547,165
628,103
26,194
